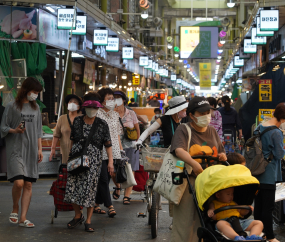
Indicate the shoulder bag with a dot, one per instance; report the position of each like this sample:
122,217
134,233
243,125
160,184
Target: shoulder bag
81,163
129,133
68,119
131,181
163,184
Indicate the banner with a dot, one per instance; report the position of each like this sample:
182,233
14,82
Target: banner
265,90
205,76
136,80
89,72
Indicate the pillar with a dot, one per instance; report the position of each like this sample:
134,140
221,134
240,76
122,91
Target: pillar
103,76
68,80
125,10
104,6
164,32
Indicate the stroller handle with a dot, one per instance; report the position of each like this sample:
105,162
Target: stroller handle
209,158
232,207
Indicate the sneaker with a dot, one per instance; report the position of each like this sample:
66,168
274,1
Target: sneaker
253,237
239,238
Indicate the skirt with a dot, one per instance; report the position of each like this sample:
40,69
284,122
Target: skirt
133,158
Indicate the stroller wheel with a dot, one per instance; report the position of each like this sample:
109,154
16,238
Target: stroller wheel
205,235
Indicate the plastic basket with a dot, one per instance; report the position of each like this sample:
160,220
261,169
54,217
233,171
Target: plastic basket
153,158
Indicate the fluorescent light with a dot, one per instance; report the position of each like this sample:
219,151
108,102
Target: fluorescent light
123,32
76,55
283,57
118,32
50,9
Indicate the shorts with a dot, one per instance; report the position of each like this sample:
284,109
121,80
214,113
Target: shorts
22,177
244,223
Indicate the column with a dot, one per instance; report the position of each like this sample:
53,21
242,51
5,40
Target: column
68,80
125,10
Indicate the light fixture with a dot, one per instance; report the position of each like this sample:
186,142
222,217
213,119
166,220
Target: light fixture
132,38
261,74
185,66
130,83
124,75
118,32
19,84
125,87
1,85
218,61
176,55
100,65
50,9
144,14
219,57
220,51
222,42
123,32
91,86
180,60
169,46
230,3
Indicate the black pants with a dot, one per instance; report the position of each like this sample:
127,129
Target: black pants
263,208
103,192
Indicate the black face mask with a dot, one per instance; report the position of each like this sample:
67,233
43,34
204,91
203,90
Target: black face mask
219,104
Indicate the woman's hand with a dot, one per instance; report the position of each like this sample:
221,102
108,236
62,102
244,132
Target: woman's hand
40,156
222,157
18,130
52,153
197,168
111,167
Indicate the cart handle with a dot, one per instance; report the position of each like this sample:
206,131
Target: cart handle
232,207
209,158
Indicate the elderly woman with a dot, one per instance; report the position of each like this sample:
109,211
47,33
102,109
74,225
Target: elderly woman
81,188
185,218
63,127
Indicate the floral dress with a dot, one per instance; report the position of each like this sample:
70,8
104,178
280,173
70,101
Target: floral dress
81,188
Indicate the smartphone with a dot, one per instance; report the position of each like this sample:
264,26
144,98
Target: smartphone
23,124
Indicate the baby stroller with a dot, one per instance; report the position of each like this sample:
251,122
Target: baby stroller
212,180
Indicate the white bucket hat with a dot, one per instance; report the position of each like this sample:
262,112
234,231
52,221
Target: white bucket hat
176,104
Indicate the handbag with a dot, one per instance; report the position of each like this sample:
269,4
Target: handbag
121,175
163,184
131,181
129,133
81,163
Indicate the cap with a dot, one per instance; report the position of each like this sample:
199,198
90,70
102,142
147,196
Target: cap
92,104
122,94
70,96
199,104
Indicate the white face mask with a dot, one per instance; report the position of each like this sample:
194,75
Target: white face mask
119,101
110,104
203,121
32,97
72,107
91,112
181,114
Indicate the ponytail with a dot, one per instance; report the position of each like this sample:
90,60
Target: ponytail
227,102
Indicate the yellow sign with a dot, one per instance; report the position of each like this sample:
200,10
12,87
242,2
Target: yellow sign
265,90
205,75
189,39
130,94
265,114
136,80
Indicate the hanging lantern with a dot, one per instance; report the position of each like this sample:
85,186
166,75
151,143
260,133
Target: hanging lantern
222,34
220,44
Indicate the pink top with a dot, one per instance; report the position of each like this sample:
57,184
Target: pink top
130,118
217,123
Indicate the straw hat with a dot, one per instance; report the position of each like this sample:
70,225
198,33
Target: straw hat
176,104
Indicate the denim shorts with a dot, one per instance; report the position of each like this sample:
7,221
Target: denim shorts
244,223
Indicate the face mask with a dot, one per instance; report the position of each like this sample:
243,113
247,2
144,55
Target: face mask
181,114
110,104
119,101
32,97
203,121
157,116
91,112
72,107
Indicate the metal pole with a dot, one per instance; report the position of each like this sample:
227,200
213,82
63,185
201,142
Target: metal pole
66,63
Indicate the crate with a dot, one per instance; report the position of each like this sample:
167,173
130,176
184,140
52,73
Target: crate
153,158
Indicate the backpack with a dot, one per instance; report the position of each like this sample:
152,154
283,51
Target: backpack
255,160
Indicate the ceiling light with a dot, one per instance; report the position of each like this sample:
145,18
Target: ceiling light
123,32
128,39
204,19
100,65
220,51
219,57
176,55
118,32
124,75
120,86
180,60
230,3
129,83
185,66
132,38
91,86
144,14
50,9
222,42
169,46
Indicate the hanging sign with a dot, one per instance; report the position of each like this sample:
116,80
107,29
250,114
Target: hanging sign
149,64
265,90
165,73
248,47
238,62
262,33
242,55
257,40
205,75
265,114
128,53
136,79
173,78
156,67
113,45
153,66
100,37
269,20
65,17
178,81
143,61
80,25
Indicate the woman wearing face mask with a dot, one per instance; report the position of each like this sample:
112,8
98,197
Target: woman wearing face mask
108,114
185,217
216,118
63,127
168,123
22,128
129,119
81,188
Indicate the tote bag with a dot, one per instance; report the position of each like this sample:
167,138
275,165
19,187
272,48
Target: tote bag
131,181
163,184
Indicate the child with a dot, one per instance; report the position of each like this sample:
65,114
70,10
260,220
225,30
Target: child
225,198
236,158
157,115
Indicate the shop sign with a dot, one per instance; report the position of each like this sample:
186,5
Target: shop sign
248,47
143,61
136,80
149,64
80,26
101,51
89,72
18,23
265,90
89,44
113,45
128,53
100,37
262,33
265,114
269,20
178,81
65,17
257,40
238,62
205,75
173,78
242,55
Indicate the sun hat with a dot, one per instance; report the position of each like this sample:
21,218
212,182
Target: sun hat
199,104
122,94
70,96
176,104
92,104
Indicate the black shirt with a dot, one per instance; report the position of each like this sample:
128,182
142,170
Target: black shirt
166,128
133,105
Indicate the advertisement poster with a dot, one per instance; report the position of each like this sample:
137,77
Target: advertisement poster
21,23
48,32
89,72
265,114
265,90
205,76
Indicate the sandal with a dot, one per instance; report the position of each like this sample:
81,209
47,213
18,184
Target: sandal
126,200
111,212
98,210
27,224
13,216
88,228
116,196
74,222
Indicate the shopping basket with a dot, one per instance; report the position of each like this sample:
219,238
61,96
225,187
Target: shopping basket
153,158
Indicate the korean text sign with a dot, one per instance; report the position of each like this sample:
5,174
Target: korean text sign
100,37
265,90
65,17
